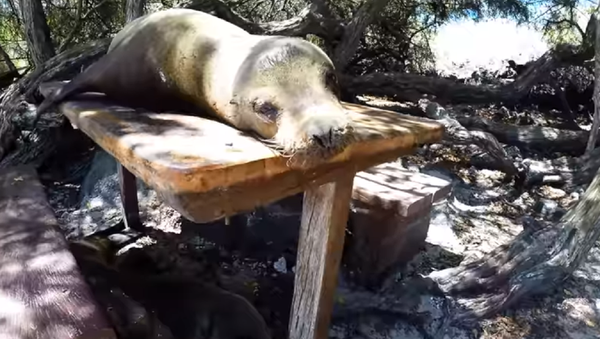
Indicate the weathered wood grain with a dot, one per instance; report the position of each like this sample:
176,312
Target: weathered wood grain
324,215
390,219
42,293
207,170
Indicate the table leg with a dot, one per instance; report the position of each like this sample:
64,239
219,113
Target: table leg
322,229
129,201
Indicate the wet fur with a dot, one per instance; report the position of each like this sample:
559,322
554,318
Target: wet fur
189,61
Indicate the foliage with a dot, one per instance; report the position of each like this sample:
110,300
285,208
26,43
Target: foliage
11,35
398,41
83,20
560,20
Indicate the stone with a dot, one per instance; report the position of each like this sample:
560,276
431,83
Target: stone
549,209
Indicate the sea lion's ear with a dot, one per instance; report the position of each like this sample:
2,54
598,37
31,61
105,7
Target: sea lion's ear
235,100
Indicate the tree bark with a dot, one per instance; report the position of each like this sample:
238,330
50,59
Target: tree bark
596,121
37,31
134,9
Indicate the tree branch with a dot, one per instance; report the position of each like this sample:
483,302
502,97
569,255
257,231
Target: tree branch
77,26
365,15
308,21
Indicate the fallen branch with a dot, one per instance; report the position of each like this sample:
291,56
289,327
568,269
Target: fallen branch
412,87
309,20
456,134
596,120
546,139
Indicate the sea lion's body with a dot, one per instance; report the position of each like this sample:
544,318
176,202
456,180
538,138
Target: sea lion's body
281,88
190,308
193,309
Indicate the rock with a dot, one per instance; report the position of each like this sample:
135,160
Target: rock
549,209
280,265
549,192
100,202
434,110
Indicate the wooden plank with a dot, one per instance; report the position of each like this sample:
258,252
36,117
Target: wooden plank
207,170
42,293
324,215
391,187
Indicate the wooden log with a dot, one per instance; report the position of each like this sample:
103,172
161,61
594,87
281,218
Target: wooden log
324,216
547,139
42,292
235,173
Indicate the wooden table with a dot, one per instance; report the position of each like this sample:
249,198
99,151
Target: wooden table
207,171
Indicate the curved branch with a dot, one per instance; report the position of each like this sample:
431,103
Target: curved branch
308,21
77,26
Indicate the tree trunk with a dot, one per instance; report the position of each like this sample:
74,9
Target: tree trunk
596,122
134,9
37,31
412,87
354,31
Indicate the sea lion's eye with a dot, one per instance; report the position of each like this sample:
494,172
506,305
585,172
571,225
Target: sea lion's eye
330,78
265,108
331,81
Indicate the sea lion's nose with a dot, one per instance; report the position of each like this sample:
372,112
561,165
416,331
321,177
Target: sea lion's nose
321,140
327,140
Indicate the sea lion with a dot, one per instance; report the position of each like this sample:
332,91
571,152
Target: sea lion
283,89
189,307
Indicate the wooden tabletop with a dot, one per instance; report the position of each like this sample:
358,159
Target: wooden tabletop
207,170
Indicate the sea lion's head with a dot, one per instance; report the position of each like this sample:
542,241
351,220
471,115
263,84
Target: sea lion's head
288,89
